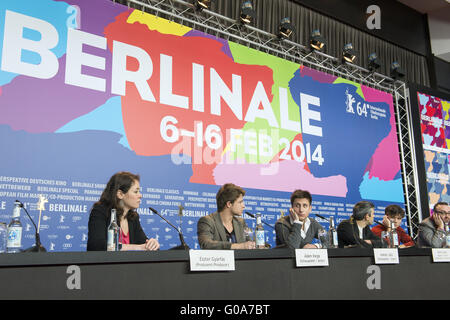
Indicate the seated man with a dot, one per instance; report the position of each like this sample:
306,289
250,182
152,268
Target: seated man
355,232
395,214
297,230
432,229
224,229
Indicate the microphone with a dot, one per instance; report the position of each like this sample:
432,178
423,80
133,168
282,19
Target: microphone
321,217
253,216
180,234
379,223
38,246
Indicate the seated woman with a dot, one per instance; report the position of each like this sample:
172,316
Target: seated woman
122,193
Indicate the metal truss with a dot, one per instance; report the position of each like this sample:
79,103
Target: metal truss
408,159
212,23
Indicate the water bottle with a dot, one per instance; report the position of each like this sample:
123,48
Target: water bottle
447,236
332,235
259,233
3,236
393,236
322,235
113,233
14,242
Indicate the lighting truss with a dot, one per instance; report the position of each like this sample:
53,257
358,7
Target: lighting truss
408,159
212,23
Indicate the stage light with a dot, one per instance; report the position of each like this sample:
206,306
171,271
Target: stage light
247,12
202,4
316,41
396,71
373,62
348,54
285,28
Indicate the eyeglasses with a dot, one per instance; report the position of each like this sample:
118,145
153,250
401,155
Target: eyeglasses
442,212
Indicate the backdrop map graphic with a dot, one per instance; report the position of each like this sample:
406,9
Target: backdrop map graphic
90,87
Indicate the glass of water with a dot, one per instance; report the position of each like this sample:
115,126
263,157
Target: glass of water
248,234
384,239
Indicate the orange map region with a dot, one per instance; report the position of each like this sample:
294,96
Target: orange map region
142,119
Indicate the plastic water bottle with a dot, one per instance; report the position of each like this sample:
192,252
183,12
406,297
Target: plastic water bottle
332,235
259,233
14,242
393,236
113,233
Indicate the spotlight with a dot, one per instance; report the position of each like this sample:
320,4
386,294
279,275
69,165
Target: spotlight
348,54
396,71
202,4
316,41
373,62
285,28
247,12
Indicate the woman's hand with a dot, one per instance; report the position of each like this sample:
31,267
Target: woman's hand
151,244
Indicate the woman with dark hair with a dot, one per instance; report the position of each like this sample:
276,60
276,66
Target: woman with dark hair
122,193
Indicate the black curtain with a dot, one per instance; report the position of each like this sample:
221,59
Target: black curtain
270,12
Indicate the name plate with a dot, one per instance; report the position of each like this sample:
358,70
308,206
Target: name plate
211,260
386,255
441,254
311,257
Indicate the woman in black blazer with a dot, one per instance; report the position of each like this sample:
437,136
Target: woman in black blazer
122,193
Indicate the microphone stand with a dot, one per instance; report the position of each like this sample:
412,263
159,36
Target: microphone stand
38,246
253,216
183,245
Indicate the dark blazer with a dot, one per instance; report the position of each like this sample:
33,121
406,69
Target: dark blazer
348,235
211,232
99,220
290,234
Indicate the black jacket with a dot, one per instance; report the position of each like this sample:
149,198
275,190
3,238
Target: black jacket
99,220
348,235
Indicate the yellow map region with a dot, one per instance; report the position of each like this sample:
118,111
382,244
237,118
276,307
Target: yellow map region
158,24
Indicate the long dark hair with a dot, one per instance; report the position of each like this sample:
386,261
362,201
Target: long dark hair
120,181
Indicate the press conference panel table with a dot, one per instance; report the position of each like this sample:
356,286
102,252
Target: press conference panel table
259,275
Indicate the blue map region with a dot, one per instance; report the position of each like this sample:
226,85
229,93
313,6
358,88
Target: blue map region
376,189
348,140
93,156
107,117
86,156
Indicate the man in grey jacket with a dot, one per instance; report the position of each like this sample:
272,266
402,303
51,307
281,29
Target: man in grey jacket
432,230
297,230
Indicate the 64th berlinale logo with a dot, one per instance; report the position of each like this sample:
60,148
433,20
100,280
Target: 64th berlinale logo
349,101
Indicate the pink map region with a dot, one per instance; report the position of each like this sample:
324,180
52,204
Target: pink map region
286,175
385,162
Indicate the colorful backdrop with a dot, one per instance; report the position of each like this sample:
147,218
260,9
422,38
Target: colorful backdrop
435,129
90,87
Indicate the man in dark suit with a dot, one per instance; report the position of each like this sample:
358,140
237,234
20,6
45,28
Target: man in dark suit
355,232
224,229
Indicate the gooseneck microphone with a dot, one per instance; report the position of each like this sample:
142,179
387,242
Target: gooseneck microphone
180,234
38,246
253,216
321,217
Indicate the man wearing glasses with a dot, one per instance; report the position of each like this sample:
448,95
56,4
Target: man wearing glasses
433,230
